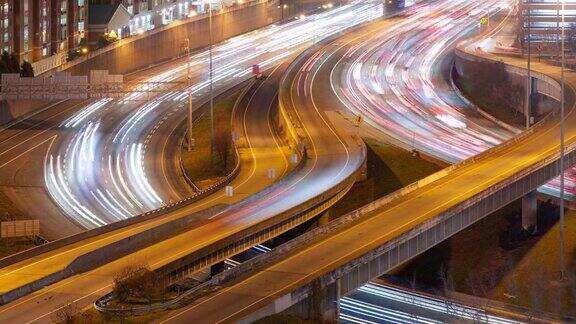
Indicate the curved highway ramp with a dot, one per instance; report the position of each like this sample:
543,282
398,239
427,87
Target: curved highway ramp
313,271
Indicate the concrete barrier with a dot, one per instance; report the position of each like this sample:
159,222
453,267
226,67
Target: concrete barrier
114,251
165,43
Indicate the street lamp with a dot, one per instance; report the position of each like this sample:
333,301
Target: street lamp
189,77
211,85
282,7
528,104
562,104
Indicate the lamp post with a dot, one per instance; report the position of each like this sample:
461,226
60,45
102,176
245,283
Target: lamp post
212,135
528,104
562,104
189,77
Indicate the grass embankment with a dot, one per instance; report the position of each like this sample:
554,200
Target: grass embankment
389,169
533,281
199,165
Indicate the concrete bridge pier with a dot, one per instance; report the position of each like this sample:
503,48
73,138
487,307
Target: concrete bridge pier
321,306
323,219
529,211
217,268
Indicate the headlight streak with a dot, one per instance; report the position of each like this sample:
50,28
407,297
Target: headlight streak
355,305
391,82
114,183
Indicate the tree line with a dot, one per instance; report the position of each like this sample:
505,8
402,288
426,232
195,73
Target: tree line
9,63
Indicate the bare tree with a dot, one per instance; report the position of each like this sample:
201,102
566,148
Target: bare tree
138,281
65,313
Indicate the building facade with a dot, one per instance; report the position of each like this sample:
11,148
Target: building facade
43,32
541,23
36,29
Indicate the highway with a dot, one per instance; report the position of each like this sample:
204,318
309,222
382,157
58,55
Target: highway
23,147
399,82
114,162
398,216
88,286
377,303
323,169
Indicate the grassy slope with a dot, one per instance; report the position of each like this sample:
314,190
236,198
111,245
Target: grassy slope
197,163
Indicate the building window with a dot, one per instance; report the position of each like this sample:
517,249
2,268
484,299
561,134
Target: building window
44,51
80,26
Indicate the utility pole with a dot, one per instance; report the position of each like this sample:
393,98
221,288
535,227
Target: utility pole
562,103
528,104
212,135
190,138
558,29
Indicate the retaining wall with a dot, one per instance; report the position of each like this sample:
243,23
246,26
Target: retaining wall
165,43
543,85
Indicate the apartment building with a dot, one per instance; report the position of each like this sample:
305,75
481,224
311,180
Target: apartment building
36,29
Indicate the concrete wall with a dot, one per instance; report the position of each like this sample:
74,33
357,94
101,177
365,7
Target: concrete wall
545,98
165,43
160,45
11,110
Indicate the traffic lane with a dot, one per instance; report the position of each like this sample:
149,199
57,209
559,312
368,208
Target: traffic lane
170,171
330,147
59,293
396,218
254,47
280,199
301,197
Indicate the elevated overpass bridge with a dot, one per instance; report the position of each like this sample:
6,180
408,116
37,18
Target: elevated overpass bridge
309,274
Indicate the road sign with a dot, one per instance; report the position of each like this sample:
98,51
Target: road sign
294,158
271,173
484,21
235,136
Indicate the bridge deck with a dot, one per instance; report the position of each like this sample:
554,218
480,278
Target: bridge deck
277,281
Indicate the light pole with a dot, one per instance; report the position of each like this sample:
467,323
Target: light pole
558,29
528,105
190,138
212,135
562,103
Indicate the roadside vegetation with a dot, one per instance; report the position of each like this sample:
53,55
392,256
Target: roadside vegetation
389,168
200,166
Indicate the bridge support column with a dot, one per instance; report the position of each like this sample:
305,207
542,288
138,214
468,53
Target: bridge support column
321,306
529,211
217,268
324,218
